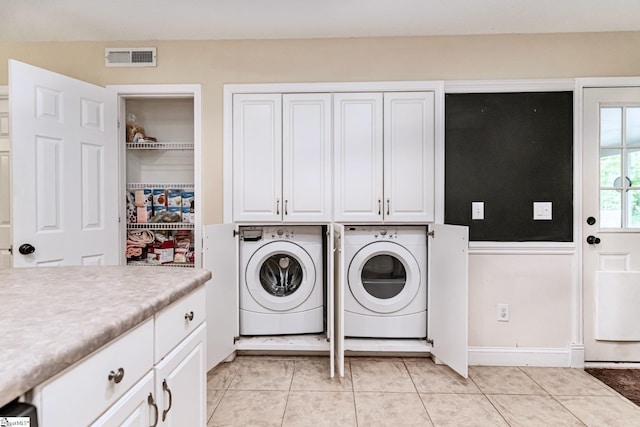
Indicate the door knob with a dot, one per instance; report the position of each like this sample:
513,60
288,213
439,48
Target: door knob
591,220
593,240
26,249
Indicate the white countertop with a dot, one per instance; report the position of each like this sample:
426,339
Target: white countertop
52,317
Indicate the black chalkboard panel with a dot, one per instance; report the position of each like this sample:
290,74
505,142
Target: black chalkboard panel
509,150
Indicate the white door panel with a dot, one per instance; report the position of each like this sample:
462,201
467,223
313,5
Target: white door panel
358,157
220,257
339,283
5,182
448,295
611,197
330,296
64,161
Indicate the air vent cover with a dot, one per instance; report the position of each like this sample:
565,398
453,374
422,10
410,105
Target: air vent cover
130,57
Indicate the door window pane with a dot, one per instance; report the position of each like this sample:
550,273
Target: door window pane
281,275
610,127
610,208
610,166
383,276
633,208
633,167
633,126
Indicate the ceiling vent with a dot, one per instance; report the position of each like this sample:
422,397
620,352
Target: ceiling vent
130,57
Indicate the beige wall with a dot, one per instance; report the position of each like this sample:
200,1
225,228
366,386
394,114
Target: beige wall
214,63
538,288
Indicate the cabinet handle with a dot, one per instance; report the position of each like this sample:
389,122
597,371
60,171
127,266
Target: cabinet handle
188,316
379,207
165,387
388,203
278,206
152,402
286,211
116,376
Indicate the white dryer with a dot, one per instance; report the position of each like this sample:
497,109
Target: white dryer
386,293
281,280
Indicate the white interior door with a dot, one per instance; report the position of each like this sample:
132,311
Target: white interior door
448,295
5,182
339,284
611,231
221,258
64,168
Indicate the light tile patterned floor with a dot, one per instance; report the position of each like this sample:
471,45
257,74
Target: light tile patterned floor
297,391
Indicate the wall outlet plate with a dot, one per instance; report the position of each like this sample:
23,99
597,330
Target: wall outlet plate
542,210
477,210
502,313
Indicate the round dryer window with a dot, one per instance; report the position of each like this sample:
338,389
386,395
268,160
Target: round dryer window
384,277
280,276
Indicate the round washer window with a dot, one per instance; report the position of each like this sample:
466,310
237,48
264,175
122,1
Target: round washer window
281,275
383,276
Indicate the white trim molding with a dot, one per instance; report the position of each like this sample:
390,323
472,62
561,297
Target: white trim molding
496,86
520,356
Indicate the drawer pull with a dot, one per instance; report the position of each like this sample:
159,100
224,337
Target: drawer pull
152,402
165,387
117,376
189,316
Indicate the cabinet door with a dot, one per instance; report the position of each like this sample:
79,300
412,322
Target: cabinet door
221,258
358,157
181,382
137,408
339,283
306,157
448,295
257,157
409,135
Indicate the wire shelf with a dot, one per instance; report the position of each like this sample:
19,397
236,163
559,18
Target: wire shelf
160,145
162,226
143,185
157,264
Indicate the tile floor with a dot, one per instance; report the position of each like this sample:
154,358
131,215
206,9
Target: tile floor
297,391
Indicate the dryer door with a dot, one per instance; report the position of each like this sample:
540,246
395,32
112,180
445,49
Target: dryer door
280,276
384,277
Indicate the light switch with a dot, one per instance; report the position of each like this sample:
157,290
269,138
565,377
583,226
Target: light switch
477,210
542,211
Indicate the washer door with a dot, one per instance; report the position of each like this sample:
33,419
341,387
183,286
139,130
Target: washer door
384,277
280,276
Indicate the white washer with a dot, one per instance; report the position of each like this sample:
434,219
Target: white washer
281,280
387,282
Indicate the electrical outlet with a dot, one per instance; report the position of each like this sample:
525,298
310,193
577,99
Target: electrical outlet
477,210
503,313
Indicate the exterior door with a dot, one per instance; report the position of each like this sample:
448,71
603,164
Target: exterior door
611,227
448,317
5,182
409,138
358,157
257,157
64,163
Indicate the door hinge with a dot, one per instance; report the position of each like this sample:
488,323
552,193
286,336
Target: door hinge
430,341
11,249
235,232
236,339
431,233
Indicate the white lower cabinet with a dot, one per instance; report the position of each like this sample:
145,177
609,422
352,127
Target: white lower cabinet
128,382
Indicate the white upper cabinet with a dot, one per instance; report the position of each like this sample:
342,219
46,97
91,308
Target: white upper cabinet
257,157
384,157
358,157
282,157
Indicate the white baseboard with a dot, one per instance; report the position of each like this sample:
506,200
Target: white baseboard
516,356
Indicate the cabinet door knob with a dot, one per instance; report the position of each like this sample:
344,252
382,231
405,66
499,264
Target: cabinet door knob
379,207
286,210
388,204
278,206
166,388
116,376
188,316
152,402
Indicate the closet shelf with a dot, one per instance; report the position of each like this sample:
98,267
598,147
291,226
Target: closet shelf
157,264
143,185
160,145
162,226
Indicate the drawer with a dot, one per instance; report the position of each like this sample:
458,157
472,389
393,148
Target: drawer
84,391
178,320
